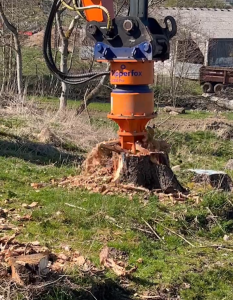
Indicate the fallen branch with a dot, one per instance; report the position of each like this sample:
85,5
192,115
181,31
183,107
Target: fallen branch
49,283
178,110
134,188
164,121
215,220
218,247
150,297
73,206
177,234
142,230
155,233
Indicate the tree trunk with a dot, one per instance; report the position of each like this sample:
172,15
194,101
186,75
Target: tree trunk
64,37
17,49
64,69
19,63
3,70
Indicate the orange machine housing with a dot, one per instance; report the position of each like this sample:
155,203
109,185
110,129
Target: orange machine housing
132,102
97,14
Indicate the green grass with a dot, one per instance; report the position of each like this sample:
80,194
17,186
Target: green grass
165,265
53,102
228,115
170,266
198,115
200,149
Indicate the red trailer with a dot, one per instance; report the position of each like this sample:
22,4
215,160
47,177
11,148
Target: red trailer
218,72
215,79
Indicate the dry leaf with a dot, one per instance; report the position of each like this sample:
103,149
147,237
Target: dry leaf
36,243
63,257
37,186
67,248
118,268
29,206
104,255
80,261
24,218
57,267
7,227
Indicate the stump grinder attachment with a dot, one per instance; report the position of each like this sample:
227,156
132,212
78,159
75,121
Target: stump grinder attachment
131,44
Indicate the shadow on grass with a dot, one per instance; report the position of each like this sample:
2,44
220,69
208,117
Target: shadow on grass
96,286
57,286
107,289
37,153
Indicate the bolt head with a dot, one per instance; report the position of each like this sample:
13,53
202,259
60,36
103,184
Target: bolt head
146,47
100,48
92,29
128,25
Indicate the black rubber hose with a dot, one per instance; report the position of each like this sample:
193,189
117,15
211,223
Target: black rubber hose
47,47
47,51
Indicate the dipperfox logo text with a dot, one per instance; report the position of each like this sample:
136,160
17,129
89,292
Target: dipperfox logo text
126,74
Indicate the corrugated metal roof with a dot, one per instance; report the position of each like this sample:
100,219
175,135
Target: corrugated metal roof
208,22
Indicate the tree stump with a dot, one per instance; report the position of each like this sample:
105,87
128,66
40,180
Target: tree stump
219,181
149,171
26,268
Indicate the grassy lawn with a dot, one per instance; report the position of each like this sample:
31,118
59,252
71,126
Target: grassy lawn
105,107
53,102
195,115
171,266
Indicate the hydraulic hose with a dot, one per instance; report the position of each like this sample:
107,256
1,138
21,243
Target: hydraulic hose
78,9
47,51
